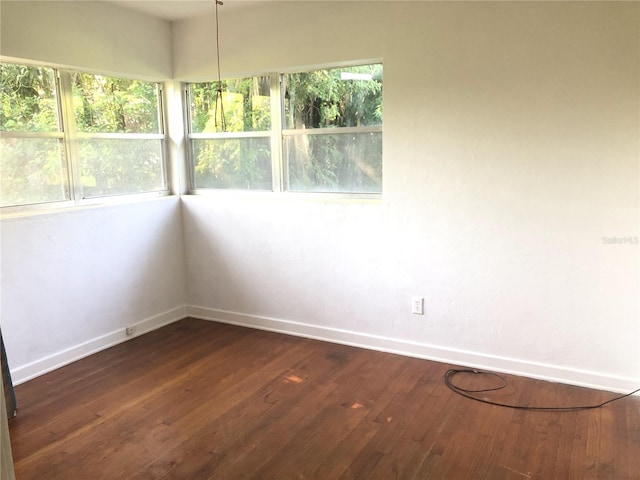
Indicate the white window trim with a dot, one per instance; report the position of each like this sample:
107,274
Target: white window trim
277,134
69,135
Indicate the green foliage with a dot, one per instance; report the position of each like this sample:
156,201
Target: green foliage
323,98
27,96
114,105
340,162
317,99
232,163
341,97
32,170
133,166
245,101
239,163
35,169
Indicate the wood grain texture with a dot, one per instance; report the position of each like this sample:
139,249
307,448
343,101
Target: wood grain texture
200,400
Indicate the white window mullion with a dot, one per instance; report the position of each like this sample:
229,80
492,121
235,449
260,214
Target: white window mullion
120,136
332,130
70,134
68,186
277,110
162,127
186,115
223,135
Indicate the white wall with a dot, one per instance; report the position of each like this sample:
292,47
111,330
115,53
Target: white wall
510,149
88,35
72,280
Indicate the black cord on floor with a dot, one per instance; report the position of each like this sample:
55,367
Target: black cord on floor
465,392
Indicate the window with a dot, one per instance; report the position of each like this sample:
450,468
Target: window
240,157
119,141
33,166
68,136
332,137
322,134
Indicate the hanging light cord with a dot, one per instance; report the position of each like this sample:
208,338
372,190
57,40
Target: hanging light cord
223,122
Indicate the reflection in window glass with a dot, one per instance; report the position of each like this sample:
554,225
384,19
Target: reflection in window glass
237,163
32,170
120,166
340,162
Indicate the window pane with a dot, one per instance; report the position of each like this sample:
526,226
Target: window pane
120,166
114,105
245,101
340,162
340,97
27,99
32,170
240,163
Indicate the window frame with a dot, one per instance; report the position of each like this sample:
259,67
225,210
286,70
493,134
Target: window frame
190,135
278,133
69,136
59,134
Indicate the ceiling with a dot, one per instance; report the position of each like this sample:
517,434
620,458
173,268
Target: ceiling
172,9
180,9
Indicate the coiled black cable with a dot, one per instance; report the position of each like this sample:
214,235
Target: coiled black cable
465,392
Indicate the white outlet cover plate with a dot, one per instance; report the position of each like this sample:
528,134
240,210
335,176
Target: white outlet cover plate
417,305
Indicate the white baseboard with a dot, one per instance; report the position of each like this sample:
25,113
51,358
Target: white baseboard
40,367
436,353
454,356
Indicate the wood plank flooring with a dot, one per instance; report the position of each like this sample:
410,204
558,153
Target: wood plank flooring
200,400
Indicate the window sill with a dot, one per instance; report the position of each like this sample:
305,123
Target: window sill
69,206
313,197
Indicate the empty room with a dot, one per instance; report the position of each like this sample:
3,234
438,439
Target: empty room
320,239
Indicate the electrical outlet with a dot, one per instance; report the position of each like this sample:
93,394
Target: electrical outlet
417,305
130,331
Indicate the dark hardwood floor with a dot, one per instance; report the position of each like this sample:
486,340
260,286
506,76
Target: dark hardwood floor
199,400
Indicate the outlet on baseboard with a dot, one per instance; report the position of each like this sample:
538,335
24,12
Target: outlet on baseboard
417,305
130,331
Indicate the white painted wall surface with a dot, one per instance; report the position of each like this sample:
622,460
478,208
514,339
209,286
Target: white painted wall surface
88,35
511,147
72,281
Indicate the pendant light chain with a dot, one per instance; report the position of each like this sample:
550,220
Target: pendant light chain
223,122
